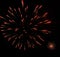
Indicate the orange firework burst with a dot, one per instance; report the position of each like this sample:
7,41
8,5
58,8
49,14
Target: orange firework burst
23,30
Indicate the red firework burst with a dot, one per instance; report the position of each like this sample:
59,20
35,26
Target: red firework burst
22,30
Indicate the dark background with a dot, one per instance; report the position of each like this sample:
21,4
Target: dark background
5,47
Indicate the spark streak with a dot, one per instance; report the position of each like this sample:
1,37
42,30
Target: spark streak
22,2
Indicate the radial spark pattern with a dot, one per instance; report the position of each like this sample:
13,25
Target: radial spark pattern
22,28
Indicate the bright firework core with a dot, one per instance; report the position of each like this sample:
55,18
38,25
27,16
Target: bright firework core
22,30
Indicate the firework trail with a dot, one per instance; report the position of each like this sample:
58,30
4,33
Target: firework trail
22,30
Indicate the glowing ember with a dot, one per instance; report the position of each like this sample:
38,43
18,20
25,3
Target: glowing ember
51,46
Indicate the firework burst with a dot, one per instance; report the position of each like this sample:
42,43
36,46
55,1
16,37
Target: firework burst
22,30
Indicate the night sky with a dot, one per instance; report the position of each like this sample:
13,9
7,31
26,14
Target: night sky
7,50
